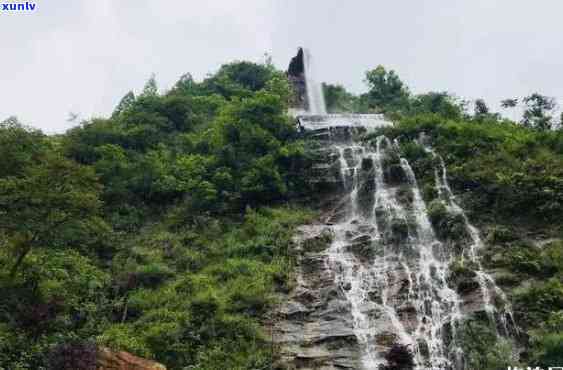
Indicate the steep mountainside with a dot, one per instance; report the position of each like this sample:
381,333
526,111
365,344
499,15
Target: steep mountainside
202,228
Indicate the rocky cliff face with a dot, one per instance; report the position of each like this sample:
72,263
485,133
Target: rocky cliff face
377,270
316,329
296,76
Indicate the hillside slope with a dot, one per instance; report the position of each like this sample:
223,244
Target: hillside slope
166,229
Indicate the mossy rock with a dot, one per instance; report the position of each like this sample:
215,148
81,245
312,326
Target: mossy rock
447,225
429,192
463,277
497,260
318,243
437,212
386,339
461,271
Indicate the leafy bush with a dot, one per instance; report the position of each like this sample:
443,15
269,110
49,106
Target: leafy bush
501,235
547,341
483,349
535,304
532,260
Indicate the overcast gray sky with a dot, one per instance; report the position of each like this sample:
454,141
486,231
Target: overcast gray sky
82,56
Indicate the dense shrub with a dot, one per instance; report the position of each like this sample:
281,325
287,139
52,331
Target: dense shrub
535,304
483,350
507,167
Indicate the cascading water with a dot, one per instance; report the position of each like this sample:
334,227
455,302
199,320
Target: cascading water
385,260
489,288
315,95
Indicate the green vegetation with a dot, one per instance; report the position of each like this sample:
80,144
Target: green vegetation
161,230
507,171
386,90
337,99
482,348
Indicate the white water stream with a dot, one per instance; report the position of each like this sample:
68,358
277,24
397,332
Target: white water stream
391,266
315,95
489,288
399,294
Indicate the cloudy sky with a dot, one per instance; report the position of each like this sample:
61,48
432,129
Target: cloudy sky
82,56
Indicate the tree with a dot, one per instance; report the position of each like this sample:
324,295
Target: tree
20,147
186,85
386,90
192,174
239,79
509,103
338,99
150,88
537,111
481,108
483,113
262,181
124,104
437,102
50,198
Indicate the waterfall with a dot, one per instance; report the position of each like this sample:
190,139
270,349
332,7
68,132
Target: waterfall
384,277
315,95
386,259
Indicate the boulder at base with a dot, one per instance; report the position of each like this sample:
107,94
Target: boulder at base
109,360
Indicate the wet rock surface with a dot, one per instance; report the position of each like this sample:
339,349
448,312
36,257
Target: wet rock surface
315,326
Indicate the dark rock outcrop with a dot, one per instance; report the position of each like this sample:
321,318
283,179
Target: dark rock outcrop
296,76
